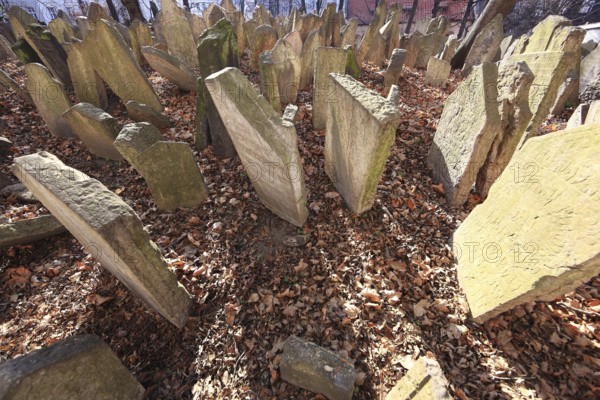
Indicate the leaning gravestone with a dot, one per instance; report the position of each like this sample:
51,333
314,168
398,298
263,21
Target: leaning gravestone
514,83
143,113
535,237
171,68
589,70
96,129
327,60
424,380
365,48
355,158
486,45
89,87
262,39
468,126
217,49
50,99
287,68
6,51
78,367
349,33
267,144
394,69
141,36
108,229
168,168
29,230
307,56
61,30
178,34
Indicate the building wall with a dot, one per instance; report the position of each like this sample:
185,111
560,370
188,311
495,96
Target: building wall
453,9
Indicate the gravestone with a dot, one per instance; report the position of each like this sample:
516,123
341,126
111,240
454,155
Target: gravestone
143,113
486,45
108,229
372,34
352,67
287,68
468,126
391,31
437,72
96,12
61,30
268,80
349,33
266,143
428,46
96,129
514,84
314,368
177,33
29,230
140,35
589,70
412,46
355,158
449,48
77,367
313,41
6,51
394,70
169,168
294,40
327,60
534,238
424,380
50,99
88,86
262,39
171,68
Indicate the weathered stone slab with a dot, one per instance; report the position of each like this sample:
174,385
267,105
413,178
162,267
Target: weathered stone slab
168,168
287,69
269,85
437,72
290,112
372,33
197,24
486,44
28,231
355,158
77,367
412,45
143,113
107,228
468,126
295,40
267,144
50,99
262,39
348,33
352,67
141,36
327,60
84,26
314,368
593,115
217,49
391,30
505,44
394,95
308,23
177,33
89,87
96,12
6,51
514,83
428,46
534,238
61,30
313,41
589,70
113,60
96,129
578,116
394,69
424,380
568,92
171,68
213,14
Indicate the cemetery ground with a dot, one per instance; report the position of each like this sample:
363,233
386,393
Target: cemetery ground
380,287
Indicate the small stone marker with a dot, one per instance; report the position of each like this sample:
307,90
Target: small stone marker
169,168
534,238
425,380
171,68
394,69
306,365
108,229
468,126
78,367
50,99
143,113
355,158
96,129
437,72
266,144
29,230
327,60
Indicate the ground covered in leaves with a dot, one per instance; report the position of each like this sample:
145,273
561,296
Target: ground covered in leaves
379,288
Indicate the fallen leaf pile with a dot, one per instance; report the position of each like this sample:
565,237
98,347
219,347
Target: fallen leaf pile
379,288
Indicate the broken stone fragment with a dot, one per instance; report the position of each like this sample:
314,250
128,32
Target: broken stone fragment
319,370
29,230
425,380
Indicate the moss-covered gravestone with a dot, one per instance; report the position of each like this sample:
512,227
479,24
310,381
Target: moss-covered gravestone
267,144
108,229
217,49
355,158
78,367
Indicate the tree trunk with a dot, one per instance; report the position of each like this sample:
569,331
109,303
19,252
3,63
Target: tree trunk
341,6
411,16
186,4
302,7
463,23
133,8
435,9
153,9
493,8
113,10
